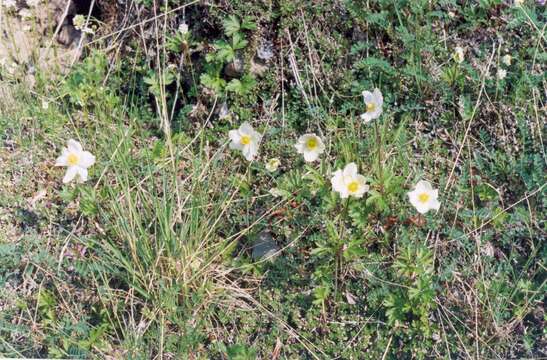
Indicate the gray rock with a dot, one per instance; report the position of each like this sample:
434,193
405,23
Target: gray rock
235,68
265,246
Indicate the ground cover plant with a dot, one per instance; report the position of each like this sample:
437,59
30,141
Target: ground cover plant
282,179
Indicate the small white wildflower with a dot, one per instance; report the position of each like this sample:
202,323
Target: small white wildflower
45,104
79,22
183,28
424,197
501,74
276,192
25,14
459,54
506,59
33,3
348,182
9,4
374,102
311,146
273,164
245,139
519,2
76,160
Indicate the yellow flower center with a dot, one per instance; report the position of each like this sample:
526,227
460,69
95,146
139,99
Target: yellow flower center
371,107
353,186
245,140
72,159
311,144
423,197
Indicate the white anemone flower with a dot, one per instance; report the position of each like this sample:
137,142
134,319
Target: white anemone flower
348,182
311,146
245,139
273,164
76,160
459,54
424,197
373,101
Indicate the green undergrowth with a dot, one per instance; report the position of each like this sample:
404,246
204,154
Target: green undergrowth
153,257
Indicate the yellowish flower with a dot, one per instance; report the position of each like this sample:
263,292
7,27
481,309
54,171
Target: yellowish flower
76,160
348,182
311,146
424,197
506,59
459,54
245,139
273,164
374,102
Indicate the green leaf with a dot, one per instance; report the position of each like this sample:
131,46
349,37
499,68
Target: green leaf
248,23
241,87
231,25
238,42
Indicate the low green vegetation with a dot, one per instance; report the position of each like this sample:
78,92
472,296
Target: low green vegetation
155,255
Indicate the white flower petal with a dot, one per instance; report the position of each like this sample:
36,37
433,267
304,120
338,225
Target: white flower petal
413,198
256,137
82,175
337,181
234,135
434,204
71,173
424,186
421,207
368,97
74,146
86,159
246,129
366,117
350,170
249,151
378,98
63,159
310,156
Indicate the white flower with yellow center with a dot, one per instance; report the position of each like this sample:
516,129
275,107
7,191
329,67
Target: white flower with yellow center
273,164
245,139
424,197
459,54
506,59
311,146
373,102
348,182
76,160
